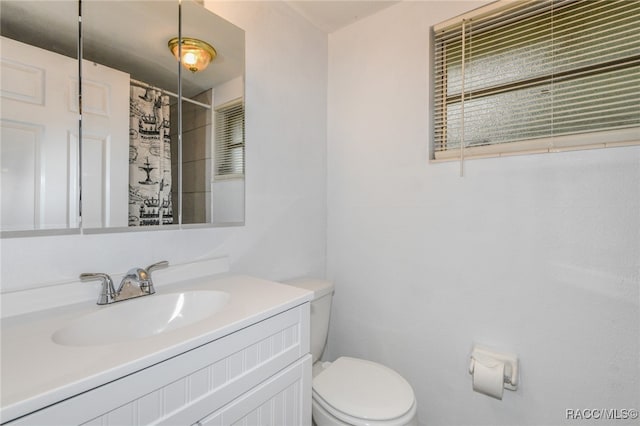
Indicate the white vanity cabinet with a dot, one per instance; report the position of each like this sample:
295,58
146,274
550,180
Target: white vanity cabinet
257,375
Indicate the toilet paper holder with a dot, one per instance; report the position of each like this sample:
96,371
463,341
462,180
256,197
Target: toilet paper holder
487,356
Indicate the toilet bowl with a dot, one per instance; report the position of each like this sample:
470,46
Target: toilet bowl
352,391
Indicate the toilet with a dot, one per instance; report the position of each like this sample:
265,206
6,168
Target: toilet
352,391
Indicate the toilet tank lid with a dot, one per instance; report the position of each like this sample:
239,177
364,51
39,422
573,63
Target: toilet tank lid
319,287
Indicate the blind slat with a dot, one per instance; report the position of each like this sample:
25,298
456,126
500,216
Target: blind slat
229,136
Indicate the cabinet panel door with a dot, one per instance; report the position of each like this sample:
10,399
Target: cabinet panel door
282,400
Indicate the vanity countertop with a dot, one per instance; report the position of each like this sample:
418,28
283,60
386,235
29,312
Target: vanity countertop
37,372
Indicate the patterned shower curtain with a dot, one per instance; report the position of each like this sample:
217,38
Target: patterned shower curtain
149,158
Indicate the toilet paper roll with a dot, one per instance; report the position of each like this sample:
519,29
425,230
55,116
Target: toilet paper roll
488,378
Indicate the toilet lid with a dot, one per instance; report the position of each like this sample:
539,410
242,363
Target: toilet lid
364,389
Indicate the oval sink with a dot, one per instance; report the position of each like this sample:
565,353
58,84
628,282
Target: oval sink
141,317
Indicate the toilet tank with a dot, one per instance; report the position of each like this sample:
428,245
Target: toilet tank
320,311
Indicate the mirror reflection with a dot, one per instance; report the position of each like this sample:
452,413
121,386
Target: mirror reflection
39,122
146,160
213,125
171,150
130,79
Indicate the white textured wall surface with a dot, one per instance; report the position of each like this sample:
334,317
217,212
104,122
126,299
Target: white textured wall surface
284,235
537,255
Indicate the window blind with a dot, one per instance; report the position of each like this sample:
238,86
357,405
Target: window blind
537,76
229,146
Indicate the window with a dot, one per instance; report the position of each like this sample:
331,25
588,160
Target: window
537,76
229,148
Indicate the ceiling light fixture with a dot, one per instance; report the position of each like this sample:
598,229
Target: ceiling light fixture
196,54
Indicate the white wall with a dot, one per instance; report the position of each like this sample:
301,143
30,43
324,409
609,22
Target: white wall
228,91
284,235
538,255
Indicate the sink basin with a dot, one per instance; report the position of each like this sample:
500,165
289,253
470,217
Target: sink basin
141,317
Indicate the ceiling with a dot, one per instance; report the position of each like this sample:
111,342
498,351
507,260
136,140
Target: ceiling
331,15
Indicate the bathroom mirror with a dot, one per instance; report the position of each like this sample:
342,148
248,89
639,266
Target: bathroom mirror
144,162
129,82
163,174
39,117
213,133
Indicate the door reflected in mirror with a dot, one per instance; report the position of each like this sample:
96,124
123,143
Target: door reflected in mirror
145,161
39,122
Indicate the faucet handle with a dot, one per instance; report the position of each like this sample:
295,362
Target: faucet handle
148,284
108,293
158,265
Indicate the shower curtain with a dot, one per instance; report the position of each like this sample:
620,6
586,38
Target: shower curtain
149,158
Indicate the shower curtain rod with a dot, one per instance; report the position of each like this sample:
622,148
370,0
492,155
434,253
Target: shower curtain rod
148,86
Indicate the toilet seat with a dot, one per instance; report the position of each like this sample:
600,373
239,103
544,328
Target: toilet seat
360,392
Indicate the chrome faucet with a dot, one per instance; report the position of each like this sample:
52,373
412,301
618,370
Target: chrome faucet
108,293
135,283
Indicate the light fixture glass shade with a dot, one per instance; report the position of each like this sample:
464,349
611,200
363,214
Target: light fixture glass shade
196,54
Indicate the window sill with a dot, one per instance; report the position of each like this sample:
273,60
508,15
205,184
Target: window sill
617,138
234,176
